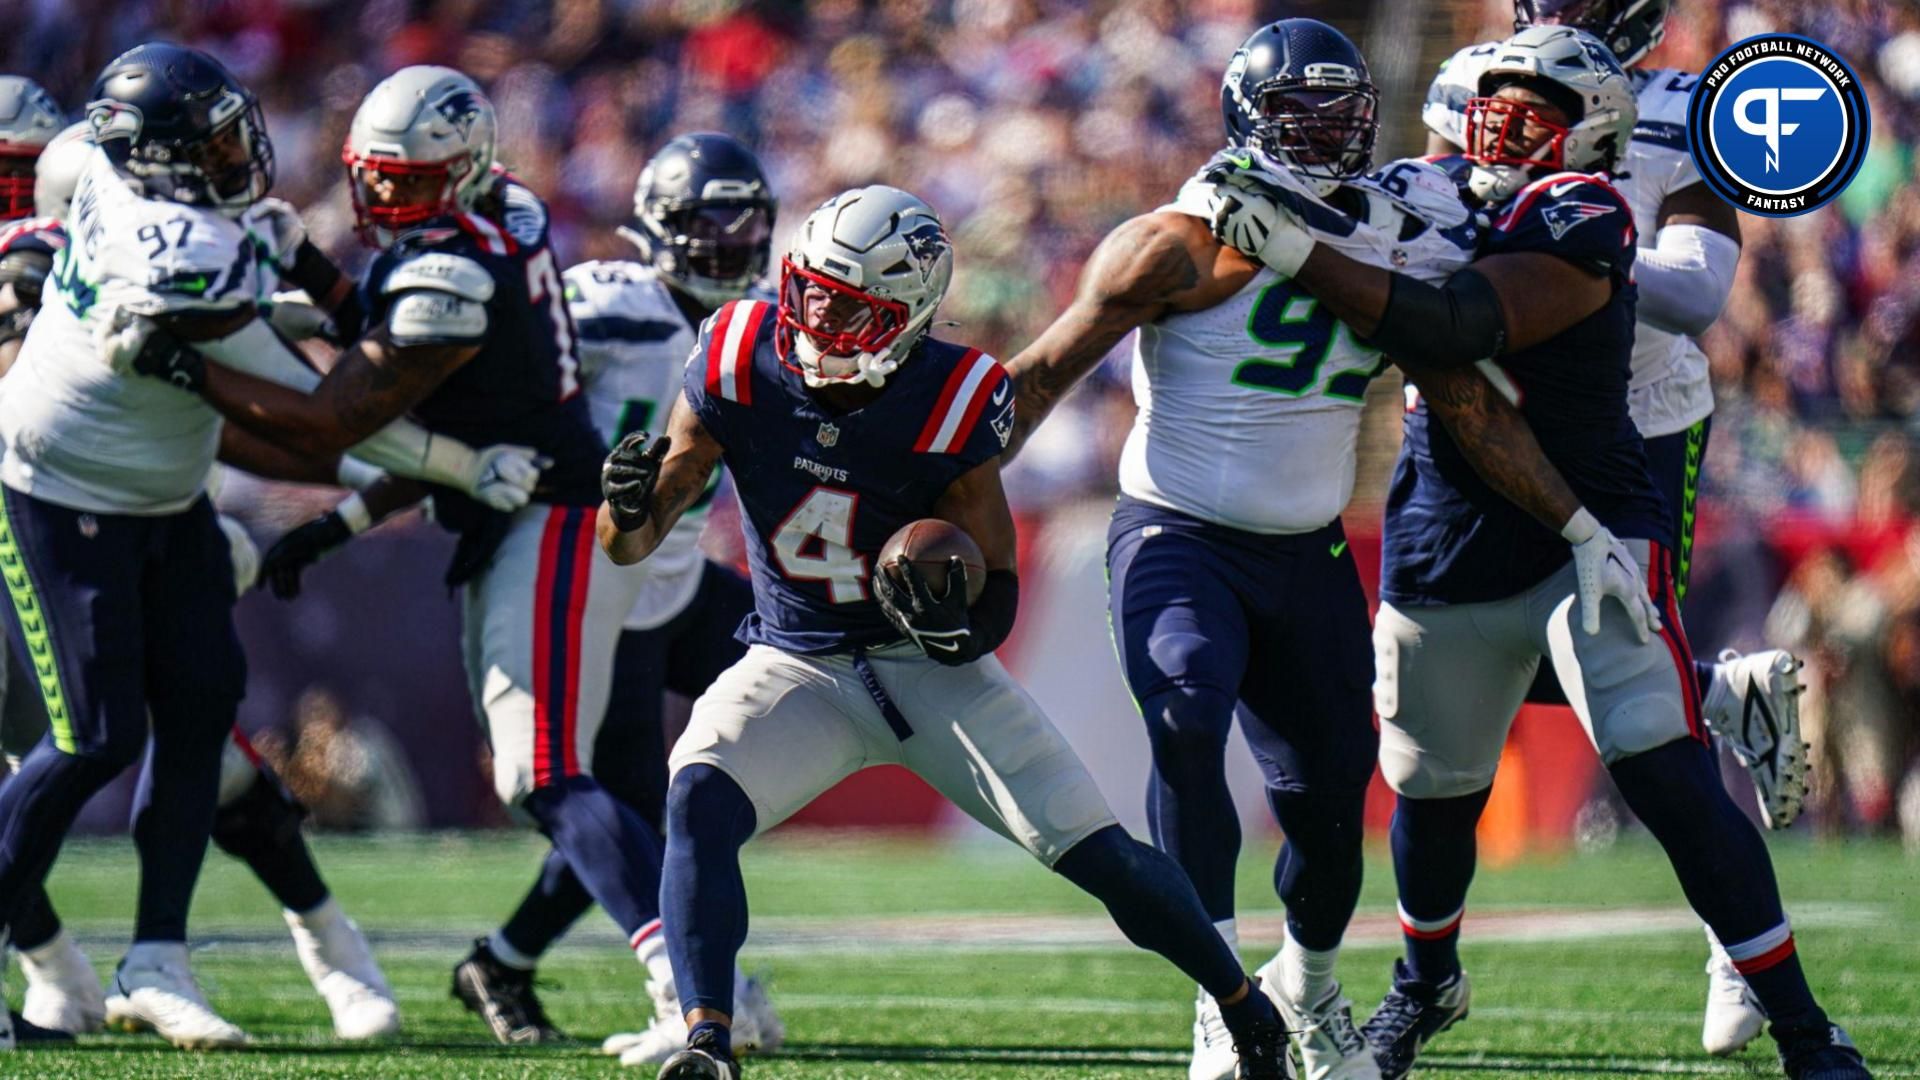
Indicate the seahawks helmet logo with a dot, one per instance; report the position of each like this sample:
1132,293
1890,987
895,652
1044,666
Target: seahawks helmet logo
460,109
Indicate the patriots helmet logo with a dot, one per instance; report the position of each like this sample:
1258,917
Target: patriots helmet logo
460,109
1565,215
1602,57
925,244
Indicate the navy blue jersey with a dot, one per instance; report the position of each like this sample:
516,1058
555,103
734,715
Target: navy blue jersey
45,236
1450,539
522,387
822,491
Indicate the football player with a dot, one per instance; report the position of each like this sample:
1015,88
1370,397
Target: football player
841,420
469,332
703,223
122,579
1689,250
1474,593
1231,584
257,820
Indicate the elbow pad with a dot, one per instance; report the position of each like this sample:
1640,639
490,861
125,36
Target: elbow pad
1685,278
1449,325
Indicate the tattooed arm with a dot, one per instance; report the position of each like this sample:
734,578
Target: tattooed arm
1149,266
374,383
692,455
1497,442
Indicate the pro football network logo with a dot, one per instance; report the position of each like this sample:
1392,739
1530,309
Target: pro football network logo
1778,125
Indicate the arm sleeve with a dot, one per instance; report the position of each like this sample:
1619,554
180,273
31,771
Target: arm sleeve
1685,278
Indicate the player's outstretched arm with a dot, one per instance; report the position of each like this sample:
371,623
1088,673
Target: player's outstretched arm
250,453
650,482
1150,265
307,544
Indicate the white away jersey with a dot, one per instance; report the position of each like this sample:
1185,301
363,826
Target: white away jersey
1670,391
633,346
81,436
1249,411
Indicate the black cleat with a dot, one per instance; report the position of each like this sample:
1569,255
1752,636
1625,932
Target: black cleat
703,1059
504,998
1820,1053
1264,1056
27,1032
1410,1015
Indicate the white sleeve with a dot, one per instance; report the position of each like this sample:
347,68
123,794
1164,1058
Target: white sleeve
1685,278
401,447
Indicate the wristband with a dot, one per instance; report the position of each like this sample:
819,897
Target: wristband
1580,528
356,474
353,513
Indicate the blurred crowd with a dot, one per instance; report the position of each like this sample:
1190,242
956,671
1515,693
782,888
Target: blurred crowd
1034,126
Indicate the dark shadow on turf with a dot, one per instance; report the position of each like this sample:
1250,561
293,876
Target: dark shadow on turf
1522,1063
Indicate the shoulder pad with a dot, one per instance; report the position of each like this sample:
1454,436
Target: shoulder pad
1420,188
441,271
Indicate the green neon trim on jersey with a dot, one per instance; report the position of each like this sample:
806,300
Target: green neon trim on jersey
33,626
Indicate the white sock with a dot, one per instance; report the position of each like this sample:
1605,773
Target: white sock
55,948
318,917
505,953
1230,931
1306,975
155,954
652,953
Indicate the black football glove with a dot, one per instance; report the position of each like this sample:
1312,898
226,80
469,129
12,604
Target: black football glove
160,355
940,626
628,477
290,555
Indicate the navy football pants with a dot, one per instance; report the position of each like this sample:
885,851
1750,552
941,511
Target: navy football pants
1208,618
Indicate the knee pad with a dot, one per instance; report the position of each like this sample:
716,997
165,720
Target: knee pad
702,798
1639,725
1419,776
263,818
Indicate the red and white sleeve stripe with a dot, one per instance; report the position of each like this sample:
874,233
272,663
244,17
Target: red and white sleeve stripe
492,240
730,350
976,380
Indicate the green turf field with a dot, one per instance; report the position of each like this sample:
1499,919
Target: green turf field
896,959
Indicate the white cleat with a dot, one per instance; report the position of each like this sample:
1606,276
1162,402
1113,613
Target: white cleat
154,990
1331,1047
342,969
1213,1056
63,992
1733,1017
757,1028
1754,708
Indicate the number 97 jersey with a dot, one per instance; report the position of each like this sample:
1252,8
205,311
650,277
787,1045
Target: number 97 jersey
822,491
1249,411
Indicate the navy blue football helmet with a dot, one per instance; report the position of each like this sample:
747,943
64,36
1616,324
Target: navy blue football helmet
176,121
1298,91
1630,28
703,216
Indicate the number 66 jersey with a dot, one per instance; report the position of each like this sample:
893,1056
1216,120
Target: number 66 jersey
1249,411
822,491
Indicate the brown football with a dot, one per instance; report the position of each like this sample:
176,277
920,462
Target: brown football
928,544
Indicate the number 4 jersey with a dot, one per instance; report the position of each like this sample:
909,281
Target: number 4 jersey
1249,410
822,491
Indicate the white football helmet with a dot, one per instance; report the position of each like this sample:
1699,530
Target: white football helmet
871,266
57,174
29,120
421,121
1581,77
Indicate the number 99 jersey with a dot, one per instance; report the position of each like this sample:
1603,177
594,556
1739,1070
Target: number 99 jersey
820,492
1249,411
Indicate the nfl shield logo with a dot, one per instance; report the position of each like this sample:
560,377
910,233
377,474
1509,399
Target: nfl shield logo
828,435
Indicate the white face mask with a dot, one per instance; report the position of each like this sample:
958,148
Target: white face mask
818,369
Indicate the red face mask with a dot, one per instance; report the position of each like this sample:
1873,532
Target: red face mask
440,178
1496,127
837,318
16,179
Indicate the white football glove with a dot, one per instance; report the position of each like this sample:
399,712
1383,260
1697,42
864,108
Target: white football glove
279,224
1604,567
503,477
245,554
1254,223
297,317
